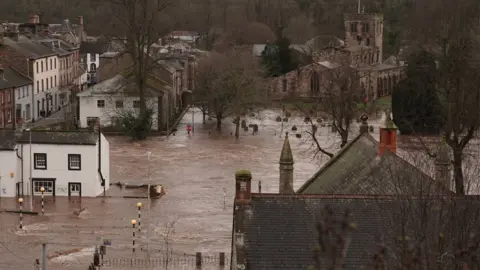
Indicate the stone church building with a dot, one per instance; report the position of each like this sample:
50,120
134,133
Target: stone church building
361,50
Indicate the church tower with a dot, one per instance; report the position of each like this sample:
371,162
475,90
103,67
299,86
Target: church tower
286,168
365,29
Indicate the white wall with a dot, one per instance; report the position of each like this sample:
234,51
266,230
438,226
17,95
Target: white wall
95,60
23,96
51,73
105,146
89,108
8,165
57,167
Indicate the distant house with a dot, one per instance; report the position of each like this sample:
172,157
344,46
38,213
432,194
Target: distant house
64,163
108,100
90,54
15,98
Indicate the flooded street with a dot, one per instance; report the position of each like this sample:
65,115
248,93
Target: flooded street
198,174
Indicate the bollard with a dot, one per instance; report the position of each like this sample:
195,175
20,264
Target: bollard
42,189
133,238
139,206
198,259
259,186
20,201
222,258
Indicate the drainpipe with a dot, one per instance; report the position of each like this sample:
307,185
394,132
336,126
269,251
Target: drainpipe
100,158
21,165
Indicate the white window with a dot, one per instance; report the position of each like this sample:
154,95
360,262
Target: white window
75,187
46,184
100,103
40,161
74,162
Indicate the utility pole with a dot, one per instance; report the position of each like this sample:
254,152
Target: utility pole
31,166
359,7
193,119
44,256
148,204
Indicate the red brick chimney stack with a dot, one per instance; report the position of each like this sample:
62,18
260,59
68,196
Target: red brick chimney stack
243,186
388,135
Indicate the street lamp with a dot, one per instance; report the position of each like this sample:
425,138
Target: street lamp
20,201
30,167
139,207
133,230
42,190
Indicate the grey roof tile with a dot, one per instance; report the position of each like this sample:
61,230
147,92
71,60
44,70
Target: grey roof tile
281,230
7,139
12,78
59,137
357,169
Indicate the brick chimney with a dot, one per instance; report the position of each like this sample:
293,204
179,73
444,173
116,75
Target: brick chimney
243,186
388,135
80,25
241,214
32,19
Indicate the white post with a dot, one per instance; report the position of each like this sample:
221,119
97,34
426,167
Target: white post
358,8
148,198
31,169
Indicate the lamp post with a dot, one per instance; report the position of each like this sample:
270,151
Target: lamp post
30,167
42,190
20,202
133,231
139,207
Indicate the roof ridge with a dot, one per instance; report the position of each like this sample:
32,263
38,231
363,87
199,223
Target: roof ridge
331,161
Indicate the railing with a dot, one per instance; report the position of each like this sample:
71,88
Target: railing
199,260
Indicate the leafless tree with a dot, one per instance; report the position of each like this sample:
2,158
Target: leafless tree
230,84
166,235
140,23
450,30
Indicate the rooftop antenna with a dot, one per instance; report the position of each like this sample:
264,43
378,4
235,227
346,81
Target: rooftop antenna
359,7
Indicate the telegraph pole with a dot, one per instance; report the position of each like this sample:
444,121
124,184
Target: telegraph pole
44,256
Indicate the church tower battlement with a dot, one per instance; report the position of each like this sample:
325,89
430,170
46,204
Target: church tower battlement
364,29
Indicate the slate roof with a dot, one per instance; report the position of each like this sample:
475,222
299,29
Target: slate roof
120,85
280,231
59,137
12,78
93,47
7,140
357,169
29,48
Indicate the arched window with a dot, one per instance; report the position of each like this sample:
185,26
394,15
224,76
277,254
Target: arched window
314,83
93,67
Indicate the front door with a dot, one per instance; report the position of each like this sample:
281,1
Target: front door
74,189
47,183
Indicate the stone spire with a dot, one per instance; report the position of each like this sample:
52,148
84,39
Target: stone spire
286,168
442,165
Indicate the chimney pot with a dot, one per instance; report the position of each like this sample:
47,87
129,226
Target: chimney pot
80,20
243,186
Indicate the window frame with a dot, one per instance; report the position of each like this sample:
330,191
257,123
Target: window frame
117,102
69,160
35,159
100,101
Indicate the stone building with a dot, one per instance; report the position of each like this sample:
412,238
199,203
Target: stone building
361,49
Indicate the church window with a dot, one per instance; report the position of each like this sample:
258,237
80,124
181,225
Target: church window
368,42
366,27
314,83
284,85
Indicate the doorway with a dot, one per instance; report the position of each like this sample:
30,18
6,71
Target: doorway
74,189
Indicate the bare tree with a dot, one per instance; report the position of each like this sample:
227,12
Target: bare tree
230,84
141,23
166,236
450,30
299,29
